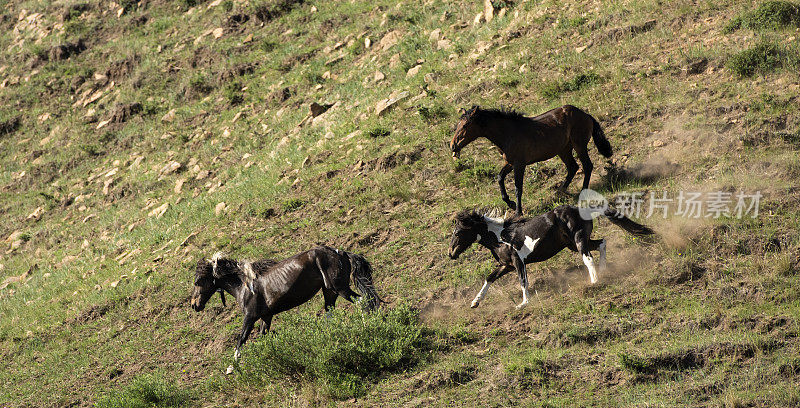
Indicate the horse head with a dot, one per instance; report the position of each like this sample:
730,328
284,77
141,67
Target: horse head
208,279
470,227
466,131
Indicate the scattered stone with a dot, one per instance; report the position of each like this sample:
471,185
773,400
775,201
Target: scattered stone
122,113
36,214
389,40
168,117
159,211
218,32
479,18
367,42
413,71
435,35
378,76
444,45
219,209
107,186
385,105
170,168
488,10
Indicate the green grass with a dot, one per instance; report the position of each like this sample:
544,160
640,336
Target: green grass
770,15
763,58
147,391
342,353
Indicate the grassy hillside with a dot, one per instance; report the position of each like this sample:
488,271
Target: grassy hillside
138,137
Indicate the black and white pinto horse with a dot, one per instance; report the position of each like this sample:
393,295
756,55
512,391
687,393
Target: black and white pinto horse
267,287
515,241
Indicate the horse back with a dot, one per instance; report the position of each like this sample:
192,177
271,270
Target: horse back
290,282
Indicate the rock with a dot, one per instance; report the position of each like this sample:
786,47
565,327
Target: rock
36,214
168,117
378,76
581,49
317,109
488,10
444,45
413,71
478,19
394,61
159,211
435,35
385,105
218,32
107,186
430,78
389,40
170,168
219,209
179,185
367,42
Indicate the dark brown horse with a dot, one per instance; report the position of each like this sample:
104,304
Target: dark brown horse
516,241
265,288
523,141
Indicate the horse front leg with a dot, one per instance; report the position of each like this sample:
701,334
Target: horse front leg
501,180
247,327
519,178
496,273
519,265
266,322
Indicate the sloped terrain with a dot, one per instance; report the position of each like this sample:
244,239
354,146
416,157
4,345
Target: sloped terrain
138,137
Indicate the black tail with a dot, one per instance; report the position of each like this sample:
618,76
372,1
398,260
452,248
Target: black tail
600,140
362,279
627,224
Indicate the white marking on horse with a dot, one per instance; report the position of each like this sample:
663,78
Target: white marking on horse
589,262
478,239
523,283
249,273
481,294
214,259
495,225
527,247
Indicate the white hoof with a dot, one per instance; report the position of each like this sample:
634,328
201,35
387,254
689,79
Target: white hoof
474,304
229,370
521,305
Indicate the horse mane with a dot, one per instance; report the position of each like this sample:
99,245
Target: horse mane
481,115
250,269
470,216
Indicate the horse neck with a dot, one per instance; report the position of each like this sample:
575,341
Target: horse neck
494,134
233,284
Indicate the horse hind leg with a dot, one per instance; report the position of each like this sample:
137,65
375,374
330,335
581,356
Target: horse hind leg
587,165
585,245
572,168
330,299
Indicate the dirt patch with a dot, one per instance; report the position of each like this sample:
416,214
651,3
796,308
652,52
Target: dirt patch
266,12
92,313
203,57
64,51
10,126
290,62
619,33
122,69
122,113
392,160
237,71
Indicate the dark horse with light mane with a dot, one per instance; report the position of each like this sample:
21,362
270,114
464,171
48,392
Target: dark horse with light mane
267,287
523,141
516,241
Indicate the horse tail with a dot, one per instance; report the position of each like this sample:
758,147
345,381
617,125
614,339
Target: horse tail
627,224
362,279
599,137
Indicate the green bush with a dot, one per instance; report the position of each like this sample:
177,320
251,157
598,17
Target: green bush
146,392
343,352
762,58
771,15
292,204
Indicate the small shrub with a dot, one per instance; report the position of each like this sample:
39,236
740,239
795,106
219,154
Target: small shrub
379,131
770,15
432,113
343,353
145,392
762,58
635,363
578,82
292,204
